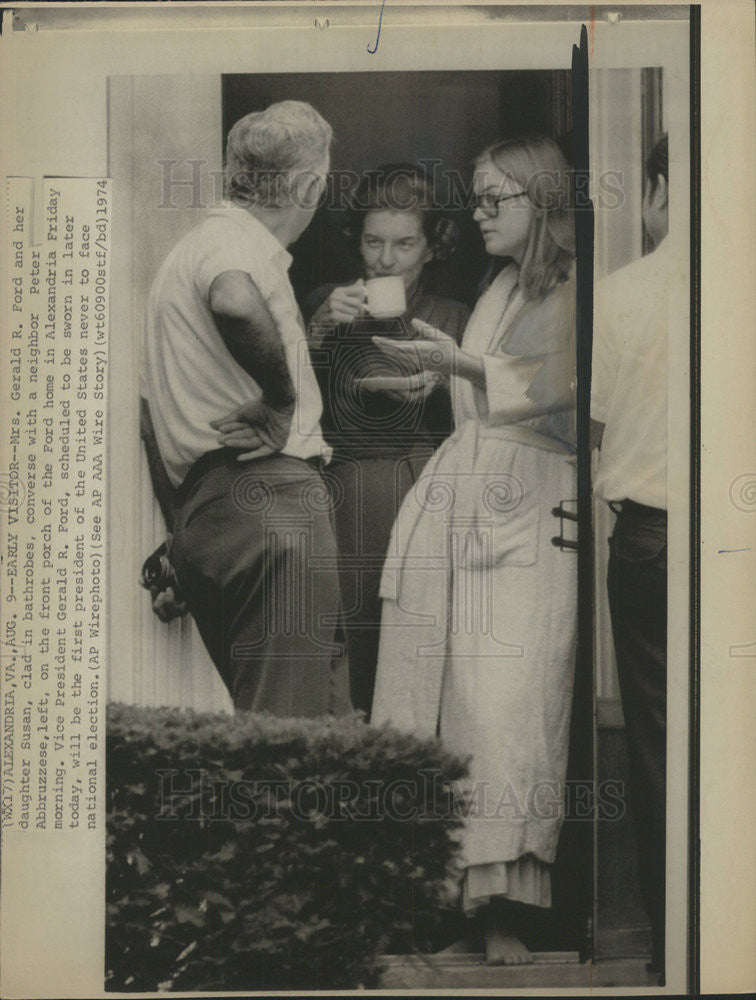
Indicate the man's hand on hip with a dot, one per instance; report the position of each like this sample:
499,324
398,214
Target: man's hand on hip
255,427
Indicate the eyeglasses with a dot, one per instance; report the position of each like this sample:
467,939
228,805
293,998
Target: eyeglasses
489,203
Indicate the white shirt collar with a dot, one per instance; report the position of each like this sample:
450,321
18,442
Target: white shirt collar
269,245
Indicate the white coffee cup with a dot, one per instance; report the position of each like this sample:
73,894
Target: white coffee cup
385,297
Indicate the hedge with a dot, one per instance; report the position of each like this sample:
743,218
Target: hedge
258,853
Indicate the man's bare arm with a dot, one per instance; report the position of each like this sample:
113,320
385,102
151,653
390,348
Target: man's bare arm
250,333
161,484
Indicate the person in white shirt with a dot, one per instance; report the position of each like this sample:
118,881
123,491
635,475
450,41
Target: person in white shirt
629,420
252,546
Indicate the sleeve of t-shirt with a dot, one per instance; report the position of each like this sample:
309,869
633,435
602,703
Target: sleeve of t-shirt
602,366
144,385
221,252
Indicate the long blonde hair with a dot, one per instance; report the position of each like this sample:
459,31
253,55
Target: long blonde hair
539,167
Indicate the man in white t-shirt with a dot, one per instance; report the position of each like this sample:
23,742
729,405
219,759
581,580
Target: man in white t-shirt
629,418
224,349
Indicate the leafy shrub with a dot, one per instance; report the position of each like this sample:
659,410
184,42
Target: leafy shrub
252,852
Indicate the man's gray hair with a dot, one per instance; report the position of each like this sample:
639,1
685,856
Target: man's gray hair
266,150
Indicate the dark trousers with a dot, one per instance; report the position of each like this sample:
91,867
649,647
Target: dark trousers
637,584
255,556
368,493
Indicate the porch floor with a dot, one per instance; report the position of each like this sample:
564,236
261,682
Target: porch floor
549,969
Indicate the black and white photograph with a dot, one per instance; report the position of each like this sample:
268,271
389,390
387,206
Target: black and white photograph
359,379
377,663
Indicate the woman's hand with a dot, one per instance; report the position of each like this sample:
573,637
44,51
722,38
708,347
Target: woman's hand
256,427
413,388
343,305
435,351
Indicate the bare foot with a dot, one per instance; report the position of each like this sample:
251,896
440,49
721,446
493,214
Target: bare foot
505,948
465,946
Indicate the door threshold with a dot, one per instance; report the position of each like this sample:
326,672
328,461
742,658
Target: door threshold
549,969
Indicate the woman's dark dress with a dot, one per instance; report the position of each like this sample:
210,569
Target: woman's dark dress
380,446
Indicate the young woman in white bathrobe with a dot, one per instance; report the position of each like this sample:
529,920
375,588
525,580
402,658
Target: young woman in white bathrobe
479,607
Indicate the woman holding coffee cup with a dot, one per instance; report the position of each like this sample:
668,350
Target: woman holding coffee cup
479,607
382,418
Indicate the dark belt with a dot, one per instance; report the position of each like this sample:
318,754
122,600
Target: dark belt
634,509
228,456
